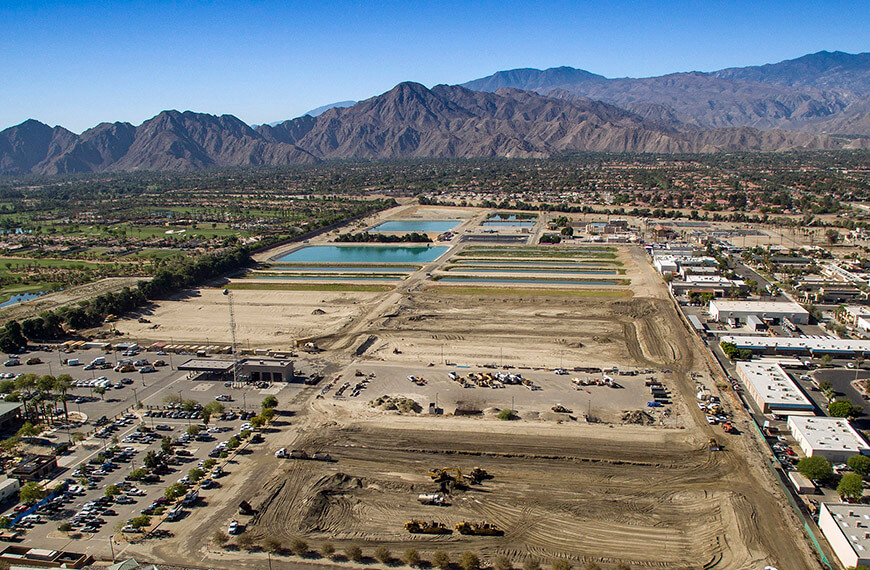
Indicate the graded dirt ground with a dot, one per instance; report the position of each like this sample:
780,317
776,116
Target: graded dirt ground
649,496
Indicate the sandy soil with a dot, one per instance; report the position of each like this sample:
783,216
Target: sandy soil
263,318
69,296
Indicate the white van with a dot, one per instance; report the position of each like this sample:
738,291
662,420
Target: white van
98,361
73,362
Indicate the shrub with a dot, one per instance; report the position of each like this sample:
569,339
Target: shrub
507,414
532,564
299,547
469,561
245,541
412,557
64,526
560,564
353,553
502,563
383,554
327,550
441,560
220,538
271,544
591,566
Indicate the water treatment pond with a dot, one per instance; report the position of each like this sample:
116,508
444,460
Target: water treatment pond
460,269
364,254
407,226
538,281
18,298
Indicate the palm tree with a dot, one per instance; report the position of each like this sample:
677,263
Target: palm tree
62,384
25,383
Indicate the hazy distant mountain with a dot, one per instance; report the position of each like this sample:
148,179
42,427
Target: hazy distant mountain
821,92
320,110
559,110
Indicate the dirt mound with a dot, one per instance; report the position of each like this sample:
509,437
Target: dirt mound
634,308
318,502
637,417
400,403
318,312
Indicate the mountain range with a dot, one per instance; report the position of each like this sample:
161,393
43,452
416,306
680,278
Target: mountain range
819,101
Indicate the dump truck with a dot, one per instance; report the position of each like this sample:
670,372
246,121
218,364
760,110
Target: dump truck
560,409
426,527
478,529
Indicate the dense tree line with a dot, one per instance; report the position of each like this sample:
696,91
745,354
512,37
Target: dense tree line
366,237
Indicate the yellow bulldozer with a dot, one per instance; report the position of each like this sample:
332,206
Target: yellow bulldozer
477,475
415,526
478,529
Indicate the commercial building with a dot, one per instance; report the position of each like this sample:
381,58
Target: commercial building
767,311
715,285
808,345
847,528
252,369
8,489
773,389
25,557
832,438
34,467
10,415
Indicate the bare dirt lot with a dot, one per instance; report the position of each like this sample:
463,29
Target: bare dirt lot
263,318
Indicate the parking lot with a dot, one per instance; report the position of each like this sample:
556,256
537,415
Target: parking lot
118,445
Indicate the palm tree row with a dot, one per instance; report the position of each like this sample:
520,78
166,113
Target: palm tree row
39,394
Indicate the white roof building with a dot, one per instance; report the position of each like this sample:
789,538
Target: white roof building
813,345
832,438
724,310
773,389
847,528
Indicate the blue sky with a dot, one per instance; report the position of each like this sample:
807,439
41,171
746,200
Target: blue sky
78,63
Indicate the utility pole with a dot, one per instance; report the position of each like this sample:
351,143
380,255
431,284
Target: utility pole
229,295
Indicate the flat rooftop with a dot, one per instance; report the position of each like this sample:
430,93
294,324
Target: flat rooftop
206,364
773,385
812,343
853,521
759,307
828,434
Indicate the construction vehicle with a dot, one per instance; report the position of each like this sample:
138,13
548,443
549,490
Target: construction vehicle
415,526
478,529
298,454
477,475
432,499
560,409
245,508
446,474
728,427
713,445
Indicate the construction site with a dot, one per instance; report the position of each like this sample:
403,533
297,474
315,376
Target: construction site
543,420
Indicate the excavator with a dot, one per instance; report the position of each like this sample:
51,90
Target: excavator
415,526
442,475
478,529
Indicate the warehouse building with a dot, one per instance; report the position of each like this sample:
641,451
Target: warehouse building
10,416
832,438
773,389
775,311
809,345
847,528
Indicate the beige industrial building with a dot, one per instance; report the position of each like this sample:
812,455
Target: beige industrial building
847,528
832,438
773,389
